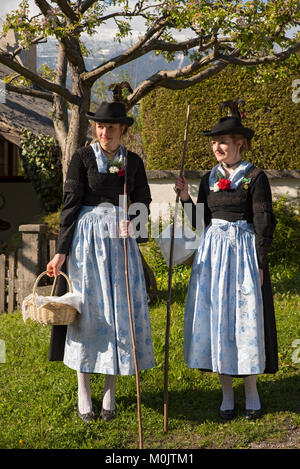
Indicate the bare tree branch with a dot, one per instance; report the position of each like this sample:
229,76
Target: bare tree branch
85,5
171,83
170,78
141,48
186,45
133,52
6,59
71,45
44,6
67,10
129,14
30,92
280,56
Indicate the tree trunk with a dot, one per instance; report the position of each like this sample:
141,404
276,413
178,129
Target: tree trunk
76,137
60,107
71,130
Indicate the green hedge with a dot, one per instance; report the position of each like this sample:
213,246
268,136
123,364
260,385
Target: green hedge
270,112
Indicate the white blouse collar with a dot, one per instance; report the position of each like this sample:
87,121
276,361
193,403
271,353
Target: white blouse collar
101,158
235,177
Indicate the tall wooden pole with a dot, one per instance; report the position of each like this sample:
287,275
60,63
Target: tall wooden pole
130,311
167,339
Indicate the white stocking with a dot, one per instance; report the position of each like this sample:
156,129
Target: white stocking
228,396
251,393
84,393
109,392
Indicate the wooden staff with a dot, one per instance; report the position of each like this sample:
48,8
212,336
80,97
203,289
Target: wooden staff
130,310
166,373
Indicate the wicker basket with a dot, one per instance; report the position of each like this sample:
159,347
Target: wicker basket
52,313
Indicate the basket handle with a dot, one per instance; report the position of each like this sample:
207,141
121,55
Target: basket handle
44,273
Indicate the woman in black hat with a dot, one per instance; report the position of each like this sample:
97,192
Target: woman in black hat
229,318
91,227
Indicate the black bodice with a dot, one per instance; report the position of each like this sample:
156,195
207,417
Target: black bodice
84,185
253,204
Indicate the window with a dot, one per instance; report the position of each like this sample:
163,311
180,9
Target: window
10,162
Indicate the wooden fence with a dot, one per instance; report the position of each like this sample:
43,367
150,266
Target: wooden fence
18,270
7,282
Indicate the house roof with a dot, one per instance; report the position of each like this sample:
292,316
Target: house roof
21,112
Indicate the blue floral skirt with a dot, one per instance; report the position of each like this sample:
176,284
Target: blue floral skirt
224,323
99,341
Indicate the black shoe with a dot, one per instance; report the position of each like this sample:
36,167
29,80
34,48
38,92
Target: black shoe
87,418
253,414
226,414
107,414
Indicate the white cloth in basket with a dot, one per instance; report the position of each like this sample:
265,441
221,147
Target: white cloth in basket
71,299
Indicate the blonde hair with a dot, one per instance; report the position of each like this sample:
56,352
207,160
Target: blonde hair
246,145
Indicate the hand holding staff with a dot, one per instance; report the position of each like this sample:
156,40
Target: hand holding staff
170,283
130,310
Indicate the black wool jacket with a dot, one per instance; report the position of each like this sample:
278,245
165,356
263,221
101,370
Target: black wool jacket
84,185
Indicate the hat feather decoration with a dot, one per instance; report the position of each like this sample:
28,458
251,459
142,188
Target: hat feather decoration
120,91
233,108
232,122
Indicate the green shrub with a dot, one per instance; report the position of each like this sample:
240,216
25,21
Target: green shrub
285,247
52,220
42,165
284,251
270,112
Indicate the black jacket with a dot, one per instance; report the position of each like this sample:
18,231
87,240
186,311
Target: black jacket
84,185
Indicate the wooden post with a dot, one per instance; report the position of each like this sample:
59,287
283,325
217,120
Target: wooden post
31,262
2,283
11,283
52,246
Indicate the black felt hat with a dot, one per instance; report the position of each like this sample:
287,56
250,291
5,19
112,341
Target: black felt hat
231,124
114,113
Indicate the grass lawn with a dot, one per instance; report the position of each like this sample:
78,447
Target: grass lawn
38,398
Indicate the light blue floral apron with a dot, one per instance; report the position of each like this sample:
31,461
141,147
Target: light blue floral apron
99,341
223,326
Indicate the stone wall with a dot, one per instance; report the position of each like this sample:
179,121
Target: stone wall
283,183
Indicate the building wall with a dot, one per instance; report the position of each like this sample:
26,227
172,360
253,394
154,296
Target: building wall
20,206
163,195
27,58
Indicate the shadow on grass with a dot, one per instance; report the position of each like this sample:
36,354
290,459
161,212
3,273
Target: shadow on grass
198,405
281,395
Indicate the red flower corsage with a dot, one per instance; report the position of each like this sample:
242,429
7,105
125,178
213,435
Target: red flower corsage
224,184
121,172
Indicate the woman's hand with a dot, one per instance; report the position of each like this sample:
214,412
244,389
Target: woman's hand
182,187
126,229
261,275
54,266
